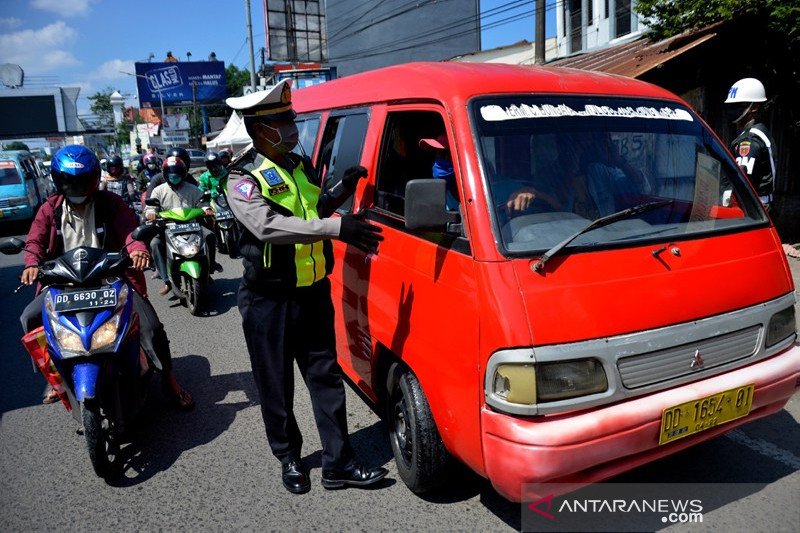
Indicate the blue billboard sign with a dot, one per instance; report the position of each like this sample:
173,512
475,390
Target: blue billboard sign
181,83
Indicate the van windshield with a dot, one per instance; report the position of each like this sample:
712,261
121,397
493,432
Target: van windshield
554,164
9,174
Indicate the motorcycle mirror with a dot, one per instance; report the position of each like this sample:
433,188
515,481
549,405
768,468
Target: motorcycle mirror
206,196
12,246
145,232
153,202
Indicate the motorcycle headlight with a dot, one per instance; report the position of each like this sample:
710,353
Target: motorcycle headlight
188,246
106,335
68,341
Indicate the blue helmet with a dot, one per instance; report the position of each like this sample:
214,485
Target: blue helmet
75,170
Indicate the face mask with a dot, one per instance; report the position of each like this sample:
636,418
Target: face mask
284,131
737,112
76,199
151,166
174,179
442,168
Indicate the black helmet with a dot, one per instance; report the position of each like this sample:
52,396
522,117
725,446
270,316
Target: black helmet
213,163
182,154
114,166
174,170
225,155
75,171
138,166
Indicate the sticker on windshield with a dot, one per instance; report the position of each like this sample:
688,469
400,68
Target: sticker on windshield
496,113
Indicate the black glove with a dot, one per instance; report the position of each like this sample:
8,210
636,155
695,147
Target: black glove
360,233
352,175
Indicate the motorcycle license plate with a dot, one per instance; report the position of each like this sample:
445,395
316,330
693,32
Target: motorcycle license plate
83,300
224,214
705,413
183,228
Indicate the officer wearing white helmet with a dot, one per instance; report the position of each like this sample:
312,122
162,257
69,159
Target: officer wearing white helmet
284,297
753,148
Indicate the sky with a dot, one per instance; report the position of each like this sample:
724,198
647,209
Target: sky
86,43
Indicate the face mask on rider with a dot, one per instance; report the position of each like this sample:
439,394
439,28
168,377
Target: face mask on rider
287,136
174,179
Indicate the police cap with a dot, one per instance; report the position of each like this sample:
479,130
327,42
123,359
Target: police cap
272,104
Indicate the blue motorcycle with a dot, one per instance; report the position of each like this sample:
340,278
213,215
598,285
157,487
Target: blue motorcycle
92,338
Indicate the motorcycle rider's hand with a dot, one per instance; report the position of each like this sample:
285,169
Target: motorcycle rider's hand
140,259
360,233
352,175
150,215
29,275
209,211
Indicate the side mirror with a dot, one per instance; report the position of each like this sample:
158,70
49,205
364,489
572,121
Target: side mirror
425,206
12,246
206,196
153,202
145,232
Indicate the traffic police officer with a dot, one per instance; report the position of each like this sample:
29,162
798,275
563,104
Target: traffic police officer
284,297
753,148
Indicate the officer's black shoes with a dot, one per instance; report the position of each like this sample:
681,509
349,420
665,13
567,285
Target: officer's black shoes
216,267
295,476
353,475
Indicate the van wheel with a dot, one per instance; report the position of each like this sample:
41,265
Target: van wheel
421,458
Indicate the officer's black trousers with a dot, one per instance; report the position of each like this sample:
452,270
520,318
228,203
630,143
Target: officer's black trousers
296,324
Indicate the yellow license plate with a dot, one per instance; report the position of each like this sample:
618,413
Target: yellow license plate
699,415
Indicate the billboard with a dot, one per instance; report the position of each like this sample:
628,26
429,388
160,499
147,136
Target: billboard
178,83
28,115
295,30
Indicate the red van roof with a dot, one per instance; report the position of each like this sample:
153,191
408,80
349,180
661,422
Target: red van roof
456,82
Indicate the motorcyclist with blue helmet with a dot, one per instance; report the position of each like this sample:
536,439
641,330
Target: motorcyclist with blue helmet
81,215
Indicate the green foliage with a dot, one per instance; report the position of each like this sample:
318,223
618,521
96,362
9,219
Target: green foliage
101,106
236,79
16,145
668,17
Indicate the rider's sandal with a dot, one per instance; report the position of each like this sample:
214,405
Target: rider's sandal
50,396
182,401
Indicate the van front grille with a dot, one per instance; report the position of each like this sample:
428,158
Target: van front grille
693,358
4,203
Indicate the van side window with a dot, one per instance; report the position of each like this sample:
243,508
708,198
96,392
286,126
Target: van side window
341,147
402,159
307,129
8,173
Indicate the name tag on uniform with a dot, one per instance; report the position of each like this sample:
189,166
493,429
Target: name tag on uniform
279,189
272,177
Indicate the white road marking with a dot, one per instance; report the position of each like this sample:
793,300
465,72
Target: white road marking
765,448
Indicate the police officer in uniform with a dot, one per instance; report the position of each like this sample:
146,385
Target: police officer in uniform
753,148
284,297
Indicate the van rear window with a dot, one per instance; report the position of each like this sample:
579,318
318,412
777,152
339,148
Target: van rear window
9,174
555,164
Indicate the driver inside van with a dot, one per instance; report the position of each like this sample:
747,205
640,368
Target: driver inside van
443,168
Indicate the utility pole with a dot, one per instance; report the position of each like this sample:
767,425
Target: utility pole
539,38
250,46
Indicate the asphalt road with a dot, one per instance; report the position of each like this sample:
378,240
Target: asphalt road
211,469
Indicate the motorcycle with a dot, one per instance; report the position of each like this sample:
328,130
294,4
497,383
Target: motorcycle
188,266
88,346
225,226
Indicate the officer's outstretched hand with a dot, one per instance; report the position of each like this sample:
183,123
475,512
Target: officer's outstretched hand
360,233
352,175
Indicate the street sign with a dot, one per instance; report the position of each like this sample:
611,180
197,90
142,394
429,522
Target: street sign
175,137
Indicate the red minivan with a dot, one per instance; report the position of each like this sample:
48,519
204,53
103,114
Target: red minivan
576,279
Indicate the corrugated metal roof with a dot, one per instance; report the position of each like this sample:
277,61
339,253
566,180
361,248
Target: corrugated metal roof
636,57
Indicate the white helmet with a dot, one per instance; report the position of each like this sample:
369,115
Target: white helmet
746,90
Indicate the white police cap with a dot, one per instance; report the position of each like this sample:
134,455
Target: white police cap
274,103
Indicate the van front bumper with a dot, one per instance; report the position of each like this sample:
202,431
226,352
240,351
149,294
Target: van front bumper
22,212
592,445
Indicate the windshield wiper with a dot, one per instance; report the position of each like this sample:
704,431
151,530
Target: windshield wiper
599,223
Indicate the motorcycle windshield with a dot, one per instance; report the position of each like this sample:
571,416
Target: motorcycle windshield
182,214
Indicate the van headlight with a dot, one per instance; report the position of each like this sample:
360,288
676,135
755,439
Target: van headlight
518,384
781,326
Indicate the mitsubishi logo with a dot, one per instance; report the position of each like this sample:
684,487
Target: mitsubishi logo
697,361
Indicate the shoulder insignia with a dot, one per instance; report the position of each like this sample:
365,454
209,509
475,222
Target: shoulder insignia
245,188
744,148
272,177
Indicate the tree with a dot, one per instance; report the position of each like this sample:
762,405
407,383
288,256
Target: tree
235,80
668,17
16,145
101,107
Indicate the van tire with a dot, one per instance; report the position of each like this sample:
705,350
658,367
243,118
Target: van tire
421,458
